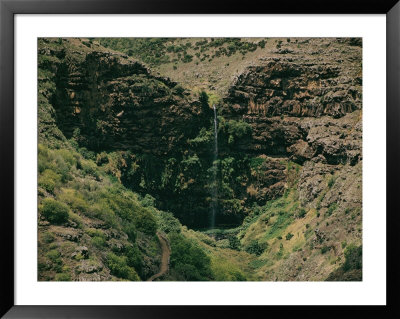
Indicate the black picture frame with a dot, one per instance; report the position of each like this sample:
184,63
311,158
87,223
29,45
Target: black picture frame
9,8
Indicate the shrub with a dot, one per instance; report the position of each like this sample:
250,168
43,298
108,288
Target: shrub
353,257
90,168
48,237
102,158
236,130
148,201
63,160
120,202
145,221
90,155
222,270
74,199
256,248
168,223
279,254
98,242
93,232
62,277
76,219
134,258
55,257
188,260
119,268
54,211
49,180
103,212
257,162
289,236
331,181
351,270
302,213
261,44
234,243
324,249
130,230
331,209
187,58
67,155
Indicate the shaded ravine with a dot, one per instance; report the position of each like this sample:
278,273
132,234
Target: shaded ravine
166,252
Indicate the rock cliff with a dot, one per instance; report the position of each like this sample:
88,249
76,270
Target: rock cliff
115,102
300,109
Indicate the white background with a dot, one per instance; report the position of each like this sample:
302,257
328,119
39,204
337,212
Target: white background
373,288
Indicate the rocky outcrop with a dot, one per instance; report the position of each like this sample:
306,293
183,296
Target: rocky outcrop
302,109
279,86
116,103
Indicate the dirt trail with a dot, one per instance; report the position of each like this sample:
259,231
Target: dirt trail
166,252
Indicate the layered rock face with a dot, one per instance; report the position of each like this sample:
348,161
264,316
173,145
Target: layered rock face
281,100
280,86
300,110
106,101
117,104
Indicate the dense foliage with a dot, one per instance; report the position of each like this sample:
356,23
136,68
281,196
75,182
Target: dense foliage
188,260
156,51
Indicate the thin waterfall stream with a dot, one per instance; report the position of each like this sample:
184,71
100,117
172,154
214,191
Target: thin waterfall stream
214,202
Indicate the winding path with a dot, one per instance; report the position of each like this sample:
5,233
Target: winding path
166,252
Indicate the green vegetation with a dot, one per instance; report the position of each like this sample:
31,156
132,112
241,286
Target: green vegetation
62,277
98,242
188,261
351,270
233,130
302,213
119,268
331,181
289,236
88,193
222,270
158,51
256,248
54,211
324,249
151,52
353,257
331,208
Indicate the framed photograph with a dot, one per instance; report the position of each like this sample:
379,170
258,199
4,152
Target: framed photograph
161,159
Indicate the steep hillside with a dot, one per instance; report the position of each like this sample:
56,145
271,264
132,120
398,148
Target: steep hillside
128,155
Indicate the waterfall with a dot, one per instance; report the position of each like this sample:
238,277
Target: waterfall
215,134
214,202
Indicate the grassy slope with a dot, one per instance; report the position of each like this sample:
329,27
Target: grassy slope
102,216
287,233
